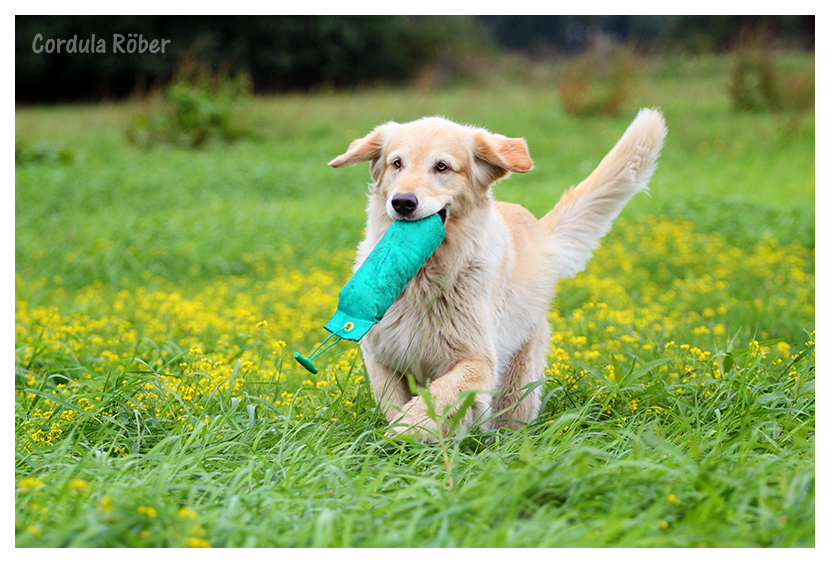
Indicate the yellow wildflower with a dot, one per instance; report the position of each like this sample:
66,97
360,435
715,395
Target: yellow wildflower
197,542
147,511
185,512
78,485
28,483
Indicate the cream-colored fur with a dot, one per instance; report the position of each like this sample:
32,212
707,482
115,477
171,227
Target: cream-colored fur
473,321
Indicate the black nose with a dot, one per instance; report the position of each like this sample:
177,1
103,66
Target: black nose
404,204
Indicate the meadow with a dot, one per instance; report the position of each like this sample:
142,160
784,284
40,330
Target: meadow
160,293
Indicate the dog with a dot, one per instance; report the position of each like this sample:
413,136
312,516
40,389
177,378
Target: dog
465,342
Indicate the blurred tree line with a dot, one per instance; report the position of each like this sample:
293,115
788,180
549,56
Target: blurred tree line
545,34
304,52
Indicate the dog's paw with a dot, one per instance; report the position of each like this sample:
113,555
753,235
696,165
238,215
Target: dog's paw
424,432
414,424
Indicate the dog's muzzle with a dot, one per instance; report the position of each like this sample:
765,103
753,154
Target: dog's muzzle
405,204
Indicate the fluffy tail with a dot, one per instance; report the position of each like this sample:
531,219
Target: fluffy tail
585,213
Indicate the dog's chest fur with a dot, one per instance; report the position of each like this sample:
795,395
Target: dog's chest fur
465,301
437,321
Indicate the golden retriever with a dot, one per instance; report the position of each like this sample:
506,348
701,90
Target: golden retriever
471,327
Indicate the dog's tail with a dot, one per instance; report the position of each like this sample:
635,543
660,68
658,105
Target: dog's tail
585,213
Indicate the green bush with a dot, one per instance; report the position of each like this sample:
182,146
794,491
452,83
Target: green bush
26,152
754,83
200,105
599,80
757,81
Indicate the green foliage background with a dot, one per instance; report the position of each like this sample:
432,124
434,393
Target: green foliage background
312,52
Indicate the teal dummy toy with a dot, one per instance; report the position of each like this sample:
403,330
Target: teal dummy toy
366,297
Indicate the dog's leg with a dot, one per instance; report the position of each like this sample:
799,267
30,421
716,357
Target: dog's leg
526,366
477,376
390,389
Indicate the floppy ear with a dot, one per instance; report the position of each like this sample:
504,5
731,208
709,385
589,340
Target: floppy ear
367,148
500,155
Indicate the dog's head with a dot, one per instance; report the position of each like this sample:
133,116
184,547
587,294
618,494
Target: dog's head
433,165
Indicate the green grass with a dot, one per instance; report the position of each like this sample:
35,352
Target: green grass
155,408
280,192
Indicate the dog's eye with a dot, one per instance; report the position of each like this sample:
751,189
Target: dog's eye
396,163
442,166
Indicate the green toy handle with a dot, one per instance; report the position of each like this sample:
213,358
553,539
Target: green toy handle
305,362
